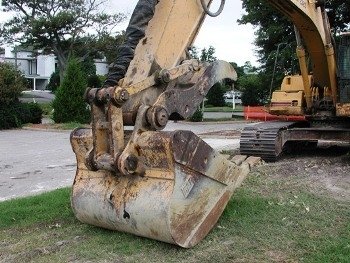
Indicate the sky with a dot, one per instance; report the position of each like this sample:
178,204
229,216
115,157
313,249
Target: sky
232,42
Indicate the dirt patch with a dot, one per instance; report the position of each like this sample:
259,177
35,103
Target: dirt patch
53,126
226,133
42,126
323,171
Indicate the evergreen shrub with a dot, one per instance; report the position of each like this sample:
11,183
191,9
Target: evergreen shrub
13,113
69,104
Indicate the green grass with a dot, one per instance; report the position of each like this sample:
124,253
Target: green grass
70,125
43,208
236,118
47,109
257,226
238,108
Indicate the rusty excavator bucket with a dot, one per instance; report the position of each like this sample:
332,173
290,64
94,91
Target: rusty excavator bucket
168,186
179,198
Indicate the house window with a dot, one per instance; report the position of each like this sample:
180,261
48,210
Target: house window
32,67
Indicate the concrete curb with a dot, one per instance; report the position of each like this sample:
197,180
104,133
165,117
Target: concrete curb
45,130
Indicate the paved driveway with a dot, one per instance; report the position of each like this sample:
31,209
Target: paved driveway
36,161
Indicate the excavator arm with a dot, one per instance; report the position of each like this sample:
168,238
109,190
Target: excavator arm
326,90
313,34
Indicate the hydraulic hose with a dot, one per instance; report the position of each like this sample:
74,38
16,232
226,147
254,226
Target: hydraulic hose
209,13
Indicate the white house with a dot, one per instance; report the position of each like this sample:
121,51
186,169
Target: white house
39,68
101,67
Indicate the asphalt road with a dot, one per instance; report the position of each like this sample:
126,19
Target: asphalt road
37,96
32,162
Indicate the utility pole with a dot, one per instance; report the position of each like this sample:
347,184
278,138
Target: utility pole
274,66
16,59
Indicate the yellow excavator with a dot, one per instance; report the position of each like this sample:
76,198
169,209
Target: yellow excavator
320,93
172,186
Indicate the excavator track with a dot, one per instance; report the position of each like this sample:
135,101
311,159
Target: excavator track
264,139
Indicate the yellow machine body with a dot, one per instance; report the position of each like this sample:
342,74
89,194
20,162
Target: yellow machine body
290,100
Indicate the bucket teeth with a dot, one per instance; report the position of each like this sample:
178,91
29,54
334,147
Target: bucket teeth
179,198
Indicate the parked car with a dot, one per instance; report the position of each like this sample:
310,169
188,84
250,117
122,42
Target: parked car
230,94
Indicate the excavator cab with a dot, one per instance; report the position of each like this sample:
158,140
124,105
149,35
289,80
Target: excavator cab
168,186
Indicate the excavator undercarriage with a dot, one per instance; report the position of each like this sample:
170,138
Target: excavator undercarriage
269,140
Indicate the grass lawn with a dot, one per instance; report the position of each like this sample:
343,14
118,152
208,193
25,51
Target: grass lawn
47,109
262,223
238,108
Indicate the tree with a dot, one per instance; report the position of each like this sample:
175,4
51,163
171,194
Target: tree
54,81
69,104
193,52
239,69
107,45
12,83
208,54
56,25
215,95
254,92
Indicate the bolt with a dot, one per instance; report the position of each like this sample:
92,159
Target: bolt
164,76
157,117
162,117
131,163
121,95
124,95
89,95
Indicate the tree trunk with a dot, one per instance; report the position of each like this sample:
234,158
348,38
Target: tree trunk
62,62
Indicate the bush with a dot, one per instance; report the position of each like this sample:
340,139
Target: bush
254,92
94,81
12,83
46,108
215,96
197,116
15,114
36,113
69,104
8,116
54,81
